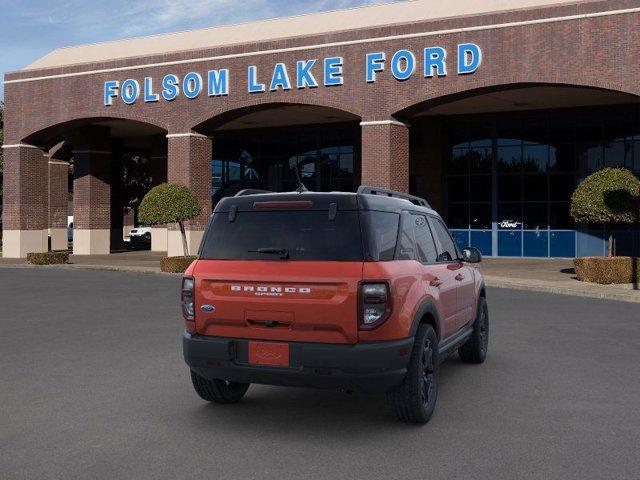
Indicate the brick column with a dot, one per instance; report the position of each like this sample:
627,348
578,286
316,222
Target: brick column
58,190
189,164
116,225
385,154
24,201
158,175
92,192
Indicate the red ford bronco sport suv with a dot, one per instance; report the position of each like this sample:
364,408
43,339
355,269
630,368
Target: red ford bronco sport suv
358,291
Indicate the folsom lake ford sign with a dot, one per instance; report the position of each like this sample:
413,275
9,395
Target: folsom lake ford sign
310,73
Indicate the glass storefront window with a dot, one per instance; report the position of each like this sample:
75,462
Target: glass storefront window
535,216
636,156
458,215
460,161
323,157
562,157
618,154
535,158
589,157
561,186
509,188
559,217
458,188
479,136
480,188
509,158
509,215
535,187
535,133
508,133
480,217
480,159
589,129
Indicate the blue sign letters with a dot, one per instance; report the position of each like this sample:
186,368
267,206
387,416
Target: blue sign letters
431,62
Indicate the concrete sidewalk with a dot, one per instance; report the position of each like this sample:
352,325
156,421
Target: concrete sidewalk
539,275
136,261
551,276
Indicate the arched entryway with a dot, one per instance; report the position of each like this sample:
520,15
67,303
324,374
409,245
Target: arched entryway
274,146
501,164
110,162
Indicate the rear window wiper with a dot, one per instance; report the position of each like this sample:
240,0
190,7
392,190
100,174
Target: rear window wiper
283,252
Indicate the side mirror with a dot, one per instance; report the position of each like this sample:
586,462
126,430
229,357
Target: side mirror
471,255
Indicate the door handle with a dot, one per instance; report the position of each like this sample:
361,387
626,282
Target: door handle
436,282
459,277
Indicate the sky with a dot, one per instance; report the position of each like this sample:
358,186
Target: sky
30,29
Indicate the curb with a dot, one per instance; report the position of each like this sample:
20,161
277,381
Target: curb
112,268
605,292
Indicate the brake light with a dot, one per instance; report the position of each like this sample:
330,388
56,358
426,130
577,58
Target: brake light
282,204
375,304
187,298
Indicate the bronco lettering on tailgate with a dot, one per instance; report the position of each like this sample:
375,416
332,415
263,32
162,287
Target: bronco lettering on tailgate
269,290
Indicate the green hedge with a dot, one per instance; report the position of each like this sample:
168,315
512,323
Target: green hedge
607,270
175,264
48,258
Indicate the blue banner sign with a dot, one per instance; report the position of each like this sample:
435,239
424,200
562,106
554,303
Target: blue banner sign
310,73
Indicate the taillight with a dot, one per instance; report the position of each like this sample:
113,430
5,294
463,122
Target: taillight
187,298
375,304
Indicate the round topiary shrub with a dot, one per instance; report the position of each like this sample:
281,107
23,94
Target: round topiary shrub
175,264
48,258
170,203
608,196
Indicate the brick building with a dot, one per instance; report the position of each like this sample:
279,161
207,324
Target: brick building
492,110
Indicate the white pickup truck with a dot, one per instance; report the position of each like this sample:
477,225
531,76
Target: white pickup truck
139,236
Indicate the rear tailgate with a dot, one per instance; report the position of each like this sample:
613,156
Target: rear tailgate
294,301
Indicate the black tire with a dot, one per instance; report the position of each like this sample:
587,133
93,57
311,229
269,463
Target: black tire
218,391
415,399
475,349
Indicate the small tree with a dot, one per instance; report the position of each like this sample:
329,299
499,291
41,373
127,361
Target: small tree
608,196
169,203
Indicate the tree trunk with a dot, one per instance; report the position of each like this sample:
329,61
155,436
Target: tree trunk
185,247
611,252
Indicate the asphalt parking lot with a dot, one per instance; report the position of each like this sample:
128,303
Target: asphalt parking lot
93,386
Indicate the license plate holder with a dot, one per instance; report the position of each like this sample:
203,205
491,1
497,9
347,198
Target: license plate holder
269,354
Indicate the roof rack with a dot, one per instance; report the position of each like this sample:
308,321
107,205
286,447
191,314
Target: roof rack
250,191
368,190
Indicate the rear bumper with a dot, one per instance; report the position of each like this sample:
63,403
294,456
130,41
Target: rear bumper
372,367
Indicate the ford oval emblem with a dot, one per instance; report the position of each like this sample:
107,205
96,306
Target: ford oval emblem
208,308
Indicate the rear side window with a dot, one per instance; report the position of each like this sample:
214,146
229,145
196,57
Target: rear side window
381,234
424,240
303,234
446,248
406,242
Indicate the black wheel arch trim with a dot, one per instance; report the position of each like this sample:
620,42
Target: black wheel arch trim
482,289
426,307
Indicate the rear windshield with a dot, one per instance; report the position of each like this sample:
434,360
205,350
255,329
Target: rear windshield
303,235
